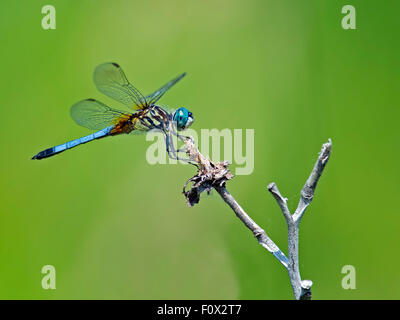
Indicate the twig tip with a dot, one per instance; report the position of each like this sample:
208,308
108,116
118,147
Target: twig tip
271,186
306,284
325,151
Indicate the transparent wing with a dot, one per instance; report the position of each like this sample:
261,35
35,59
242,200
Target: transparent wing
111,80
95,115
155,96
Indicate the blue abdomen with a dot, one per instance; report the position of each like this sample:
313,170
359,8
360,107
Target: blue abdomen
71,144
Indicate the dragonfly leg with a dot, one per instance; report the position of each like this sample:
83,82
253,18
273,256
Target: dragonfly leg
184,149
173,153
170,147
183,139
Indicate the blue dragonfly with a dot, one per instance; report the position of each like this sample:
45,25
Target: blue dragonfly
95,115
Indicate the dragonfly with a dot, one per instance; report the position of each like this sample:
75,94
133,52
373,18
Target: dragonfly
146,115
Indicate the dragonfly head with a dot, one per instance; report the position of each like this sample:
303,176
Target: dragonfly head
183,118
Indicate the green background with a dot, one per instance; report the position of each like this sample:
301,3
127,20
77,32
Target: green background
117,227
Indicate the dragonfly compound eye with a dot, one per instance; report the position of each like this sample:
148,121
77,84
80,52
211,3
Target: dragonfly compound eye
181,117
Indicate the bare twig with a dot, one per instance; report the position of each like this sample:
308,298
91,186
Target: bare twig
301,289
214,175
258,232
307,193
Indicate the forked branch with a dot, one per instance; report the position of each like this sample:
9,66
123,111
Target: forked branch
214,175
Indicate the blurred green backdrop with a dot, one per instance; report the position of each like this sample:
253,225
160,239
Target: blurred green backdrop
117,227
